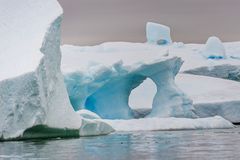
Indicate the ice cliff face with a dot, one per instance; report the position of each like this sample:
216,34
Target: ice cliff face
32,98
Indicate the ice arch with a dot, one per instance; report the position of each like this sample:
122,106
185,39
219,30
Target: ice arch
107,91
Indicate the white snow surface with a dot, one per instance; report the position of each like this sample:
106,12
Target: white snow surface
158,124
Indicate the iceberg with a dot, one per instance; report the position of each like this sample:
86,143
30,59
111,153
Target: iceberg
31,98
103,59
214,49
158,34
33,95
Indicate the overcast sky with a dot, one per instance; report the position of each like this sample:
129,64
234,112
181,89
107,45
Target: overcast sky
88,22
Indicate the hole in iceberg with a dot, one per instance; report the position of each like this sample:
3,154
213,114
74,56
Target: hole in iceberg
141,98
125,97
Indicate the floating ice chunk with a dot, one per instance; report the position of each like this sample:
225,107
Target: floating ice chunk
158,34
91,127
88,114
214,49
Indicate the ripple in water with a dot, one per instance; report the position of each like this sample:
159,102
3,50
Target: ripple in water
186,145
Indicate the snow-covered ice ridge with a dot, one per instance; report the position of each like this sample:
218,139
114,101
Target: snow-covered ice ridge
40,86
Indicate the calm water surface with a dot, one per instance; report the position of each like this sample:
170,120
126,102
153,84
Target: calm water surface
200,144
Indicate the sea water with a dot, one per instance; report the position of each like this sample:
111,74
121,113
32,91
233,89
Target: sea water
187,145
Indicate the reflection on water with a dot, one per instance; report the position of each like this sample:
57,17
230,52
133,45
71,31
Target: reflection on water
200,144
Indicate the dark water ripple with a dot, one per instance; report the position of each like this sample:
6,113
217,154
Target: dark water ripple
182,145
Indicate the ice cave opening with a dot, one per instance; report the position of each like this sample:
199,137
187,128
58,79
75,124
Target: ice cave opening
141,98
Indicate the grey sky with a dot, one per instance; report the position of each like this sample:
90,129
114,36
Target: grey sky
88,22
